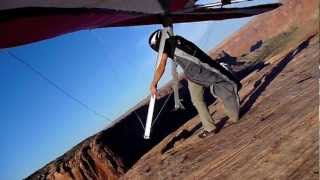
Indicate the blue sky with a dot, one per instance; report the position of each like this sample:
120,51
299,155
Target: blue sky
107,69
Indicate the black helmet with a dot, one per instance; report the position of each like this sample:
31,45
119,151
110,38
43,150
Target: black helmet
154,39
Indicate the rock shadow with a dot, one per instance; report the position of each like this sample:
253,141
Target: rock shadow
220,125
181,136
224,57
261,84
257,45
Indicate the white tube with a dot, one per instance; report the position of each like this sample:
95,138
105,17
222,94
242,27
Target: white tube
164,36
149,117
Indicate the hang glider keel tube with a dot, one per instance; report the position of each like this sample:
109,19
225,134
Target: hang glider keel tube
167,31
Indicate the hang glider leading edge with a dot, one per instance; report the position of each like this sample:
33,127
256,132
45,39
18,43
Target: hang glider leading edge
24,25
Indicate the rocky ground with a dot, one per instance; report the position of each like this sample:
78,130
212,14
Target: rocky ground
276,138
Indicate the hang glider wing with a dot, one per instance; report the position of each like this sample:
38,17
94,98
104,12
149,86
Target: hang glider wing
201,14
206,14
23,22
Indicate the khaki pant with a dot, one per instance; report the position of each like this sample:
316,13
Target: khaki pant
225,91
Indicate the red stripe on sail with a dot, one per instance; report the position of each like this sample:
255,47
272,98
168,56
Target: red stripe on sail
178,5
26,29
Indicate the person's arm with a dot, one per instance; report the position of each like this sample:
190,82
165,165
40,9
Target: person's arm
158,74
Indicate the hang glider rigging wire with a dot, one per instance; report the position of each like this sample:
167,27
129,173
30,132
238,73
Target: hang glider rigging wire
209,5
140,120
164,104
219,4
67,94
56,86
157,117
101,41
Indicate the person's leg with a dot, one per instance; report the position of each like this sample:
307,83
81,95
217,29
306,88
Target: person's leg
196,92
227,92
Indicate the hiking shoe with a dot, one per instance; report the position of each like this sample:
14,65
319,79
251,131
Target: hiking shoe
233,120
205,134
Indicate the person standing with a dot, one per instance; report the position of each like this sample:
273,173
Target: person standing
201,72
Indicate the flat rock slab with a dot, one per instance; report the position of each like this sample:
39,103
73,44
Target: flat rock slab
276,138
